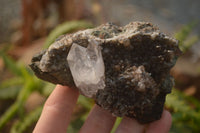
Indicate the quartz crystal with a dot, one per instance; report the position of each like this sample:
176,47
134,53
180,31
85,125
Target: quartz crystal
87,68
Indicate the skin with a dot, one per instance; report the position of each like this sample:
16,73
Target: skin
58,109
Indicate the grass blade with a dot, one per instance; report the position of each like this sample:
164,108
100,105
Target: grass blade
29,119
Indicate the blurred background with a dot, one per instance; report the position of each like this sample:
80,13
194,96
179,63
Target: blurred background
28,26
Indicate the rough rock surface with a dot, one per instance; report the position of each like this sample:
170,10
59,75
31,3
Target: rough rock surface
137,60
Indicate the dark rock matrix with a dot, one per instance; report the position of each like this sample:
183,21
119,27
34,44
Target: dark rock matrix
125,69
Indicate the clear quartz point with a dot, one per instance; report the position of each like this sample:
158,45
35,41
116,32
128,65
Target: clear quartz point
87,68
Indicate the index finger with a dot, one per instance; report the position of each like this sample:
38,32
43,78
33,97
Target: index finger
57,110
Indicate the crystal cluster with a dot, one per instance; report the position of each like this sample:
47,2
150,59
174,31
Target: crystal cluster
126,70
87,68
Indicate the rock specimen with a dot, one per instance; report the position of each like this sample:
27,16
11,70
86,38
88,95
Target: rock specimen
125,69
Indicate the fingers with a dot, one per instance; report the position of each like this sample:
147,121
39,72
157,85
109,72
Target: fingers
161,126
128,125
98,121
57,110
59,106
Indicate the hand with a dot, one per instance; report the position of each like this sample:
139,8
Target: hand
58,109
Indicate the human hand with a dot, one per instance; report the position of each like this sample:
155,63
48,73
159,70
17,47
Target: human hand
58,109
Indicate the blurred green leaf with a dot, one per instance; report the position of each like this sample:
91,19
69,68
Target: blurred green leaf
28,87
85,102
185,31
10,92
117,122
9,114
184,114
21,125
183,36
9,63
189,42
10,88
47,89
64,28
11,82
75,125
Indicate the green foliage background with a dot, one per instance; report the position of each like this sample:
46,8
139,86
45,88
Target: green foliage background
185,110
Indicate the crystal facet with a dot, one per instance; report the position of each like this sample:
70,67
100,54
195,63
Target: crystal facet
87,67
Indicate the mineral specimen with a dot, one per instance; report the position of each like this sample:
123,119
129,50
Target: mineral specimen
125,69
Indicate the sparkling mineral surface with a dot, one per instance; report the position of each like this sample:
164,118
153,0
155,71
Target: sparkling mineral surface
126,70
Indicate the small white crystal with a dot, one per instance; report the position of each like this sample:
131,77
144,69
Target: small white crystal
87,68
